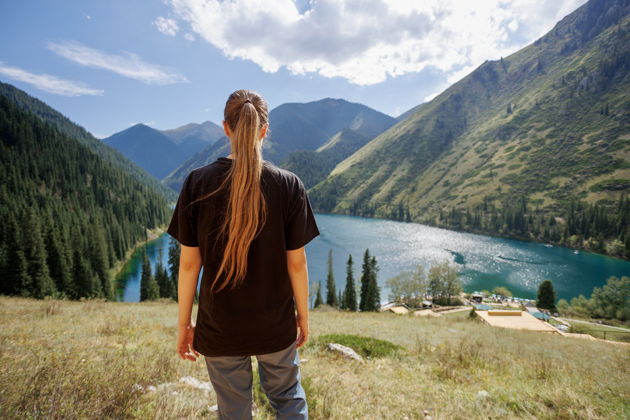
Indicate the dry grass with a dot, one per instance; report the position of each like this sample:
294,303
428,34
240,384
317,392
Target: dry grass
82,359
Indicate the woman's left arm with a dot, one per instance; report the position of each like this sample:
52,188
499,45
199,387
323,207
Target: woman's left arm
189,267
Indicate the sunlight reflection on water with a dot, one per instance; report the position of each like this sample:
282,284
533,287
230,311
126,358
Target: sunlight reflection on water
484,262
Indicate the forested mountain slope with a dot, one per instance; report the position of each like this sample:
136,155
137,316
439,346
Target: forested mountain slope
68,214
541,134
312,166
64,125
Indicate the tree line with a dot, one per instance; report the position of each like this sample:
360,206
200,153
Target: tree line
590,226
441,284
369,295
611,301
162,284
68,216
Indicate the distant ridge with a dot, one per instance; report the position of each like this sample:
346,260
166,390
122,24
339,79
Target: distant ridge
297,127
69,215
161,151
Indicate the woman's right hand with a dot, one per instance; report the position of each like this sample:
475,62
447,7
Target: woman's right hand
302,323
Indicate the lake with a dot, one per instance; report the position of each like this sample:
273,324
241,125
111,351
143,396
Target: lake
484,262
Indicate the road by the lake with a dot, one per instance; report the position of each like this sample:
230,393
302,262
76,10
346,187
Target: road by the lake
595,323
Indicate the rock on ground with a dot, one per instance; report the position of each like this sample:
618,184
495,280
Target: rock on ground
345,351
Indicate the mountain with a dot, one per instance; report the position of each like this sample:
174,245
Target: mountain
193,137
297,127
410,112
540,134
29,103
175,179
68,213
150,149
161,151
207,132
312,166
307,126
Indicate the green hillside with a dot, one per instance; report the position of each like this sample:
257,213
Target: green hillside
534,145
71,129
312,166
68,214
100,359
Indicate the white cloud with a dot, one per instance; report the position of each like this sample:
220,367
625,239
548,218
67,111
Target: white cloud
367,41
166,26
128,65
189,36
48,83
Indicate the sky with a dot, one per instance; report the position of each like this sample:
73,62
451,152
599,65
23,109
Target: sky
108,65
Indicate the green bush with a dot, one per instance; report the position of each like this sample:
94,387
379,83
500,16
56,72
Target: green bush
364,346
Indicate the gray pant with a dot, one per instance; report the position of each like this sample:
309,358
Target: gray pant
279,372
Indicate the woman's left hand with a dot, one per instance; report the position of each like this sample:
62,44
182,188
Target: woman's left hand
185,343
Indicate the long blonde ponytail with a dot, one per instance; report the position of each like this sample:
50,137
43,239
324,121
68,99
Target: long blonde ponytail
245,113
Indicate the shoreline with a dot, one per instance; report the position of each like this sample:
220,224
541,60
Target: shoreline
476,232
117,268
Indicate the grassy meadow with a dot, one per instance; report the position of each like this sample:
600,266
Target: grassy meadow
96,359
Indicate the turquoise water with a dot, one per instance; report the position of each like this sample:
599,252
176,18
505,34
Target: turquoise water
484,262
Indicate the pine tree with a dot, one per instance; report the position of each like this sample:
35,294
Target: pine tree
340,299
162,278
173,265
350,293
98,259
366,275
36,257
373,290
82,276
331,289
149,288
21,275
58,262
318,298
546,296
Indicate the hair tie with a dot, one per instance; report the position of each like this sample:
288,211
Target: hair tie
246,101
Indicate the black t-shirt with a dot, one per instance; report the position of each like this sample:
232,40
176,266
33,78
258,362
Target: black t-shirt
259,316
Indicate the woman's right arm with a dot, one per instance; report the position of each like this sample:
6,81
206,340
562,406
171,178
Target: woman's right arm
298,273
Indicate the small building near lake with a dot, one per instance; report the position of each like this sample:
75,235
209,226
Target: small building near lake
476,298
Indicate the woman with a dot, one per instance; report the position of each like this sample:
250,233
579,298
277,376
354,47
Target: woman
246,222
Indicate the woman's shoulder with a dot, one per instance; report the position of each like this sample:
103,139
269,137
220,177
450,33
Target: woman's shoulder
203,177
283,179
280,173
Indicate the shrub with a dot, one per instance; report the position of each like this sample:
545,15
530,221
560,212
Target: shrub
365,346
